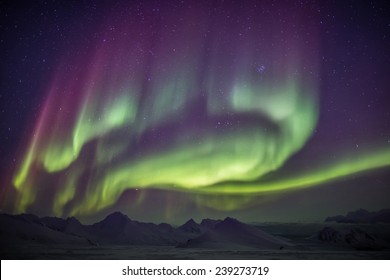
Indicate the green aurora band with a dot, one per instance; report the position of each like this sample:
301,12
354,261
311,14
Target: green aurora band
175,127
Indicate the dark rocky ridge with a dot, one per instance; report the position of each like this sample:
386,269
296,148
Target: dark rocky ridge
362,216
118,229
353,237
231,233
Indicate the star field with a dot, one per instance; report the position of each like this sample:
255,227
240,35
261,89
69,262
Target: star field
199,107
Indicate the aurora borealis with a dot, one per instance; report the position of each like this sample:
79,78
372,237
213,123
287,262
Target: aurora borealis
221,104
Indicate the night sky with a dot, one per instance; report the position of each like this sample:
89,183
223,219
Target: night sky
170,110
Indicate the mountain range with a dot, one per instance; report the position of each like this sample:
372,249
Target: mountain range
119,229
362,216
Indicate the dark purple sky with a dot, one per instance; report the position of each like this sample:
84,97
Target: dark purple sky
167,111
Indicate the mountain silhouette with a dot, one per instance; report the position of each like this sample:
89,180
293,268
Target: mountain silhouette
362,216
231,233
353,237
190,227
29,228
119,229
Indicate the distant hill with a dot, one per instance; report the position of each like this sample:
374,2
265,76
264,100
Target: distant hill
352,237
117,228
231,233
29,228
191,227
362,216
